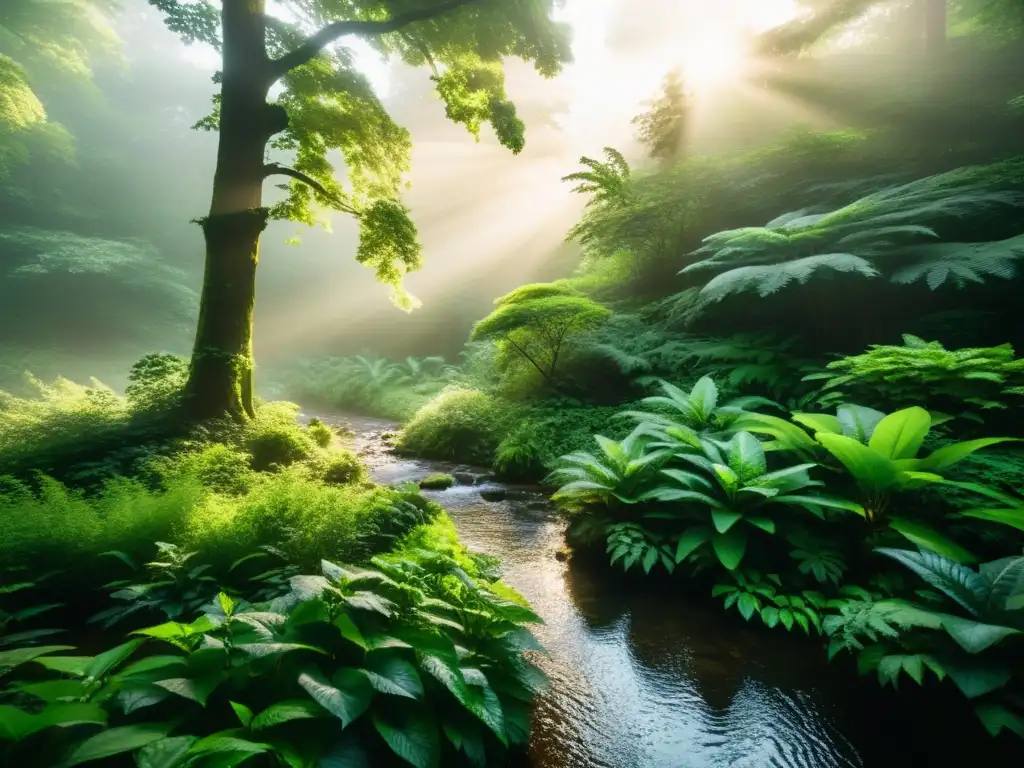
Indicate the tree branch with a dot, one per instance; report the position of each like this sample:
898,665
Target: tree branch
276,169
316,42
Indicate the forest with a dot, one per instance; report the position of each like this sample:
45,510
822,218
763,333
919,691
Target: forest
612,383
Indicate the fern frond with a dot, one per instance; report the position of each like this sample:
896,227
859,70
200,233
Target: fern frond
771,278
961,263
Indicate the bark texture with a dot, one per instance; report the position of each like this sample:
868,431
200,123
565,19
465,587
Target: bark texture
221,373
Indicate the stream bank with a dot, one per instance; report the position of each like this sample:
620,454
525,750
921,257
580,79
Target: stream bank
641,678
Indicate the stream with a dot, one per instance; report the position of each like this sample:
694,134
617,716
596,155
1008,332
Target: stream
647,679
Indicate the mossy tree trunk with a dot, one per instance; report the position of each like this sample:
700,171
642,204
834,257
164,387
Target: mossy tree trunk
221,373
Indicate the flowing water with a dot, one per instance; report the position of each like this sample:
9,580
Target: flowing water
642,678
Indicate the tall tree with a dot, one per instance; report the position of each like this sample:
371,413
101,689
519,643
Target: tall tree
327,104
662,128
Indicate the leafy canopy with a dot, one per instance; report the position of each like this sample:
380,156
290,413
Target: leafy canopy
332,106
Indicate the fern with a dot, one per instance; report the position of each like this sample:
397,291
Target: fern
771,278
606,182
868,619
892,231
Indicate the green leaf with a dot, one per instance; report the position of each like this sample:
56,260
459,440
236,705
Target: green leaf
346,702
974,636
165,753
243,712
1012,517
900,435
346,753
704,397
819,422
650,558
996,717
730,547
11,659
745,455
108,660
196,689
689,541
955,580
927,537
350,631
946,457
285,712
16,724
764,523
412,735
261,650
858,422
748,605
870,469
770,616
725,519
116,741
55,690
976,678
224,744
395,676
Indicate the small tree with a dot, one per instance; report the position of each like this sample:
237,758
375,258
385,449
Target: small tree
662,128
537,330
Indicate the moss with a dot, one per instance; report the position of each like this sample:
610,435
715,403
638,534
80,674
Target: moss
437,482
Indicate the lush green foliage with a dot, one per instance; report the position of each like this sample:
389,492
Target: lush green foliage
461,423
364,384
927,373
417,660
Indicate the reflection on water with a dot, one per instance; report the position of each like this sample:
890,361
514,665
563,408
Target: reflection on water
644,679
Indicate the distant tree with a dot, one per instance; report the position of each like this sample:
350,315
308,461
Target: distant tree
327,104
40,42
537,329
662,128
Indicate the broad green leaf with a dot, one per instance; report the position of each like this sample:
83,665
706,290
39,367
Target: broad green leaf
17,657
832,502
725,519
871,470
974,636
748,605
650,558
746,456
286,711
196,689
957,581
689,541
243,712
996,717
165,753
926,537
819,422
116,741
260,650
858,422
349,752
412,735
350,631
900,435
153,664
55,690
231,749
174,630
346,702
764,523
704,397
977,677
1012,517
16,724
730,547
946,457
108,660
726,476
395,676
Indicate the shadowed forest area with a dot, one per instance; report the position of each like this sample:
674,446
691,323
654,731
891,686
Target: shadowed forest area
620,383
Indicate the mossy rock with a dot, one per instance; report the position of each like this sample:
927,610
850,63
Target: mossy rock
437,482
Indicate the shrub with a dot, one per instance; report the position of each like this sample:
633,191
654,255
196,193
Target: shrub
304,518
463,424
274,438
320,433
342,467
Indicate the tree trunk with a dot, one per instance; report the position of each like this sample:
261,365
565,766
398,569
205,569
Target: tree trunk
220,376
